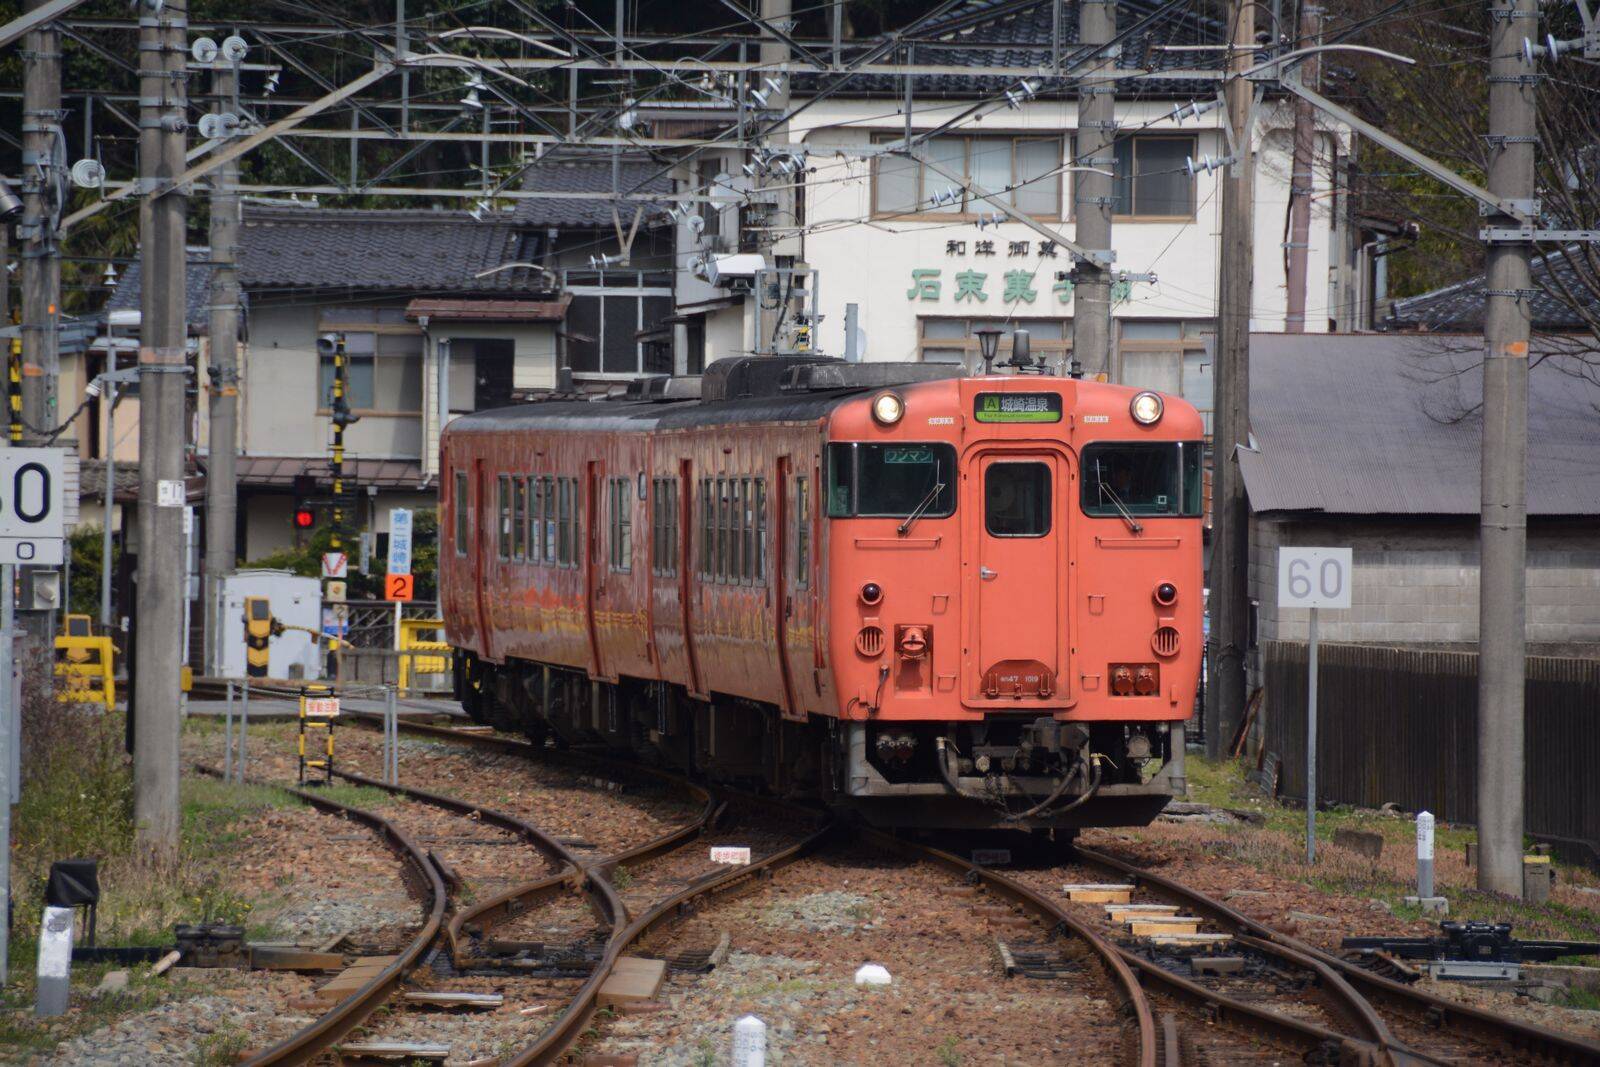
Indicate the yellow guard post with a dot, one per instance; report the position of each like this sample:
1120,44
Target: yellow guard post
83,664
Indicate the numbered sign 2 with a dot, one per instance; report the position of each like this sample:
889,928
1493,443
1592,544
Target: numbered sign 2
1314,577
399,586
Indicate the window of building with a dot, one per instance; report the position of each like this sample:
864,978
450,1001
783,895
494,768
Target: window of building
1024,170
621,509
1152,180
383,353
945,340
535,519
1169,357
504,535
519,519
609,310
664,526
802,534
1016,499
463,513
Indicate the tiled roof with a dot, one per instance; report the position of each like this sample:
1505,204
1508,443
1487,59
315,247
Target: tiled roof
1459,308
280,471
1390,424
397,251
590,175
490,310
197,280
1027,26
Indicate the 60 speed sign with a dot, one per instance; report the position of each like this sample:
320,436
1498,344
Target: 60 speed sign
32,505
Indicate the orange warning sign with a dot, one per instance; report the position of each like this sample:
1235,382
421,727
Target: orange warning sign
399,586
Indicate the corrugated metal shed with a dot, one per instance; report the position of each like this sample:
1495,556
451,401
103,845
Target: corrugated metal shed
1382,424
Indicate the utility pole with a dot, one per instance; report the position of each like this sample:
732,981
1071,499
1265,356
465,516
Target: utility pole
41,269
1301,179
221,487
775,54
162,421
1092,191
1502,601
1229,578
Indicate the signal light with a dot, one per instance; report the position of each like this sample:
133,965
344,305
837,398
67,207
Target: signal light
304,518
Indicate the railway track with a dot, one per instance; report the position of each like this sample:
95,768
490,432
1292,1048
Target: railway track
1358,1017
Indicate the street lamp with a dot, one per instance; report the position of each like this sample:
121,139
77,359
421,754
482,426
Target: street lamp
988,346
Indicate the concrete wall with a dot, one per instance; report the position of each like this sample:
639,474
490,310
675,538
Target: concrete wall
871,266
1416,582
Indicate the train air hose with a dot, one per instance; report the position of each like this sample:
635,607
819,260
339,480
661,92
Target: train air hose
1085,768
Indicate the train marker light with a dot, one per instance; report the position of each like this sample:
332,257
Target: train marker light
1166,594
1146,408
887,409
871,593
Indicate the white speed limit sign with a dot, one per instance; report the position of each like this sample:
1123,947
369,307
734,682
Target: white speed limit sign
1313,577
32,505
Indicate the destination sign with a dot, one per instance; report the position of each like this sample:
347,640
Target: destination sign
1017,407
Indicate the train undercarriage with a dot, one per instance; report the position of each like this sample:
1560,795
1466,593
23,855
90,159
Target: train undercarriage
1010,772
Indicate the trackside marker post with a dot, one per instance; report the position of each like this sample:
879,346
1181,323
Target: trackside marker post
1425,898
1313,578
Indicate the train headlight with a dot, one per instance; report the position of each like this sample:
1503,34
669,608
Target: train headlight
887,409
1146,409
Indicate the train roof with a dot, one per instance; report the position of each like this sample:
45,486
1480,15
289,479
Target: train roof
740,389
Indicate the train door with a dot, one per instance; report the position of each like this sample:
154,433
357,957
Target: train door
594,566
688,536
1017,591
782,576
483,522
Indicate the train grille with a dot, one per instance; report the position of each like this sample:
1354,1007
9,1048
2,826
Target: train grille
1165,641
869,641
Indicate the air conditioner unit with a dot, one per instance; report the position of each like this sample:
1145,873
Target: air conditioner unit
738,267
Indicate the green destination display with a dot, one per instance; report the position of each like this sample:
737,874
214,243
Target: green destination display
1017,407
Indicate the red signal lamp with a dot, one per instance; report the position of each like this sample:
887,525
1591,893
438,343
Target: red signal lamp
304,518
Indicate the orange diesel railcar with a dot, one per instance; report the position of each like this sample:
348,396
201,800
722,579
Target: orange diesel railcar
943,601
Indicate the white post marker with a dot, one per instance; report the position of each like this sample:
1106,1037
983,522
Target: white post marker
1313,578
1425,898
749,1043
55,962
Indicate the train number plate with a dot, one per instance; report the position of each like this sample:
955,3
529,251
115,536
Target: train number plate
1017,407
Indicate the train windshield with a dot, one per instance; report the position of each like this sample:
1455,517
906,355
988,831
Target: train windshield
1143,479
891,481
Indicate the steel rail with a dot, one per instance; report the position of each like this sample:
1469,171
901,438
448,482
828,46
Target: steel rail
1134,999
307,1043
1438,1011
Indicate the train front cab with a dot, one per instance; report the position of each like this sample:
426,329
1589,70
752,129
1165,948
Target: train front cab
1045,662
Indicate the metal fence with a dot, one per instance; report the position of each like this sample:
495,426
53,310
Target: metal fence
1400,725
371,622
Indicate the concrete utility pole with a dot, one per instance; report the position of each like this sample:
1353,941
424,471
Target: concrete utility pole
774,54
1229,577
162,421
41,269
1097,108
221,487
1502,601
1301,178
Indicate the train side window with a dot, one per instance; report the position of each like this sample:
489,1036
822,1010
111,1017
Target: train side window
463,510
669,561
664,526
564,519
724,525
505,516
535,519
738,569
621,525
519,519
841,480
761,531
708,529
802,534
549,519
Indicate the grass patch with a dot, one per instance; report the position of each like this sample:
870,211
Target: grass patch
1277,845
355,796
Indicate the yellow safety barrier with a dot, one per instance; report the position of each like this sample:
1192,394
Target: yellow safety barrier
422,635
83,667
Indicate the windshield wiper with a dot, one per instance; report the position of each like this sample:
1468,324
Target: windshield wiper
927,502
1105,490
